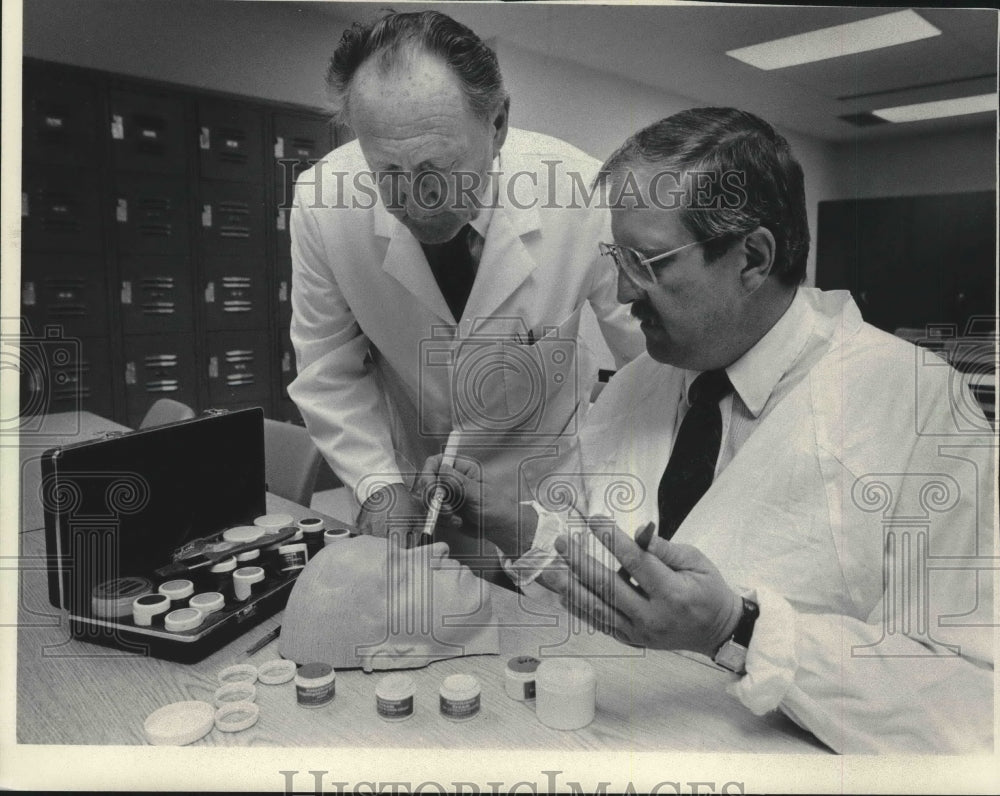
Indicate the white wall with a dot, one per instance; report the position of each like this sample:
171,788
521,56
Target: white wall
964,160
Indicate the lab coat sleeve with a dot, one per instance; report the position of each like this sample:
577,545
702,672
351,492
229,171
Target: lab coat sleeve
914,673
335,389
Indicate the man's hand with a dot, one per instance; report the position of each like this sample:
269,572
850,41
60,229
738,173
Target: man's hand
682,602
485,511
392,511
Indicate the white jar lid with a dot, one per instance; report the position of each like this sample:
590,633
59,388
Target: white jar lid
179,723
459,686
207,601
395,686
238,673
237,717
177,589
226,565
276,672
243,533
565,675
240,691
149,605
183,619
249,575
274,521
249,555
310,524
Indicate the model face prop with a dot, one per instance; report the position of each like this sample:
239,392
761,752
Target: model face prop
365,603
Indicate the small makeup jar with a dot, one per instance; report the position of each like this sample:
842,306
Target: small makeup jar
565,693
394,697
315,685
460,697
519,680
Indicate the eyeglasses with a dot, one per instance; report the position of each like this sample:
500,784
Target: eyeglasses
636,267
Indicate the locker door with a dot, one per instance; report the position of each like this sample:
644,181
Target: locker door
151,215
230,142
59,210
60,119
298,142
158,366
283,291
232,220
65,375
68,290
156,294
147,132
235,296
286,360
238,368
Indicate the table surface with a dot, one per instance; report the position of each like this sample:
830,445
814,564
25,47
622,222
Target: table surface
71,692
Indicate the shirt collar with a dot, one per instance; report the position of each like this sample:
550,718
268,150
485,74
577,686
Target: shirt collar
755,374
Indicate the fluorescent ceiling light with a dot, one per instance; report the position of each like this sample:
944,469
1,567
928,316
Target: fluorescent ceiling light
939,109
875,33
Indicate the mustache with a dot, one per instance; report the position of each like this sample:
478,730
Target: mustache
641,312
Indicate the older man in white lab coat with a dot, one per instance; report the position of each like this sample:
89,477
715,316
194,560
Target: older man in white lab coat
798,496
440,266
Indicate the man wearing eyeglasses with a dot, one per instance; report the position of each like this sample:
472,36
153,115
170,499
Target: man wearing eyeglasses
778,486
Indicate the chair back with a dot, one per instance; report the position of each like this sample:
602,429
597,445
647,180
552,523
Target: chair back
291,461
166,410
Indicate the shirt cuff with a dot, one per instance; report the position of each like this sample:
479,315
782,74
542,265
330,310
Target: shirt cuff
369,486
771,660
529,566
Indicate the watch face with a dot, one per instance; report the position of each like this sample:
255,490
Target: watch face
732,656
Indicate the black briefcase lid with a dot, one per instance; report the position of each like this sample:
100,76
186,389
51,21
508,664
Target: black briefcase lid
121,505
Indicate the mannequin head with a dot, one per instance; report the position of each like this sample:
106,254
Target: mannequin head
363,602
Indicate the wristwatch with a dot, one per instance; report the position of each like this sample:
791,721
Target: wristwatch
732,655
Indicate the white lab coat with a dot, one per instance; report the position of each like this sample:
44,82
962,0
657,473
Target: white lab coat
877,449
380,360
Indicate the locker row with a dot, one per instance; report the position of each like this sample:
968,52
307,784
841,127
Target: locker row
153,294
148,131
62,374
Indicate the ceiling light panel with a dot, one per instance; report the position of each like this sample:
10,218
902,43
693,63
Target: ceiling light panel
888,30
936,110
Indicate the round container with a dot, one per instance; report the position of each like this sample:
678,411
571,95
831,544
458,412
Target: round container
566,693
238,673
249,555
242,534
293,556
331,535
236,717
146,608
177,590
113,599
520,677
179,723
243,580
394,697
221,576
183,619
312,533
208,602
460,697
274,522
240,691
315,685
276,672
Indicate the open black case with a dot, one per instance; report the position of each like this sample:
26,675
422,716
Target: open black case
122,506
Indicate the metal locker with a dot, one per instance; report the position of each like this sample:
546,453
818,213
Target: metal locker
234,296
59,209
147,132
156,294
283,291
60,118
67,290
238,368
158,366
230,142
151,214
299,141
286,360
232,220
64,374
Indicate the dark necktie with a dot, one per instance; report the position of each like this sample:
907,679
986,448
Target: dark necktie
692,462
454,269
